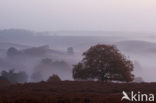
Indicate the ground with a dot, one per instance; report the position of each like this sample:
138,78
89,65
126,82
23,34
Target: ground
71,92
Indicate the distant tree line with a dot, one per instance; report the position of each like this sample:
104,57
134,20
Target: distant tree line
100,62
14,77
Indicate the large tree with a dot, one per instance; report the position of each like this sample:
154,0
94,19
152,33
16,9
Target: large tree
105,63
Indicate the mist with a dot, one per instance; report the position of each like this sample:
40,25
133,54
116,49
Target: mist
42,54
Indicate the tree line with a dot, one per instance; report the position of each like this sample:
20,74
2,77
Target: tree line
100,62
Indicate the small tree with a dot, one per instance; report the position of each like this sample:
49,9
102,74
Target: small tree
70,50
54,78
12,51
105,63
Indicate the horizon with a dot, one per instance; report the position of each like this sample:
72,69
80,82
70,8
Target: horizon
78,32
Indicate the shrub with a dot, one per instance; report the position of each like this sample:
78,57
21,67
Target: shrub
54,78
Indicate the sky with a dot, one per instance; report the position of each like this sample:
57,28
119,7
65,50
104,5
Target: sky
78,15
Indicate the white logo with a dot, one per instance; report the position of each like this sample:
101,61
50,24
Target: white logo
125,96
137,97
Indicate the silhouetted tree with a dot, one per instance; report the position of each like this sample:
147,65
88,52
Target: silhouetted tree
4,81
105,63
36,51
54,78
14,77
70,50
12,51
46,61
45,67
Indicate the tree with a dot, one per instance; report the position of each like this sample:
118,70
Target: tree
12,51
105,63
54,78
14,77
46,61
3,81
70,50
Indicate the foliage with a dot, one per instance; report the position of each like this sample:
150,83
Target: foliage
46,61
54,78
105,63
12,51
47,66
3,81
36,51
70,50
14,77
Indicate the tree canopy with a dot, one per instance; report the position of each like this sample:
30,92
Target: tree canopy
105,63
12,51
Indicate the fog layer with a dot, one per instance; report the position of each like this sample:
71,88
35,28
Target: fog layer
40,56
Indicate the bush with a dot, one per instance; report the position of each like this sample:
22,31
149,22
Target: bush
54,78
12,52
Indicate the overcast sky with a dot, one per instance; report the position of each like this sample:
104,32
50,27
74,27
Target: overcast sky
105,15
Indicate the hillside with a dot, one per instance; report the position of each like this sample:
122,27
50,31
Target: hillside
136,46
71,92
6,45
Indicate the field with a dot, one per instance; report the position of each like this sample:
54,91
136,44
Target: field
71,92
